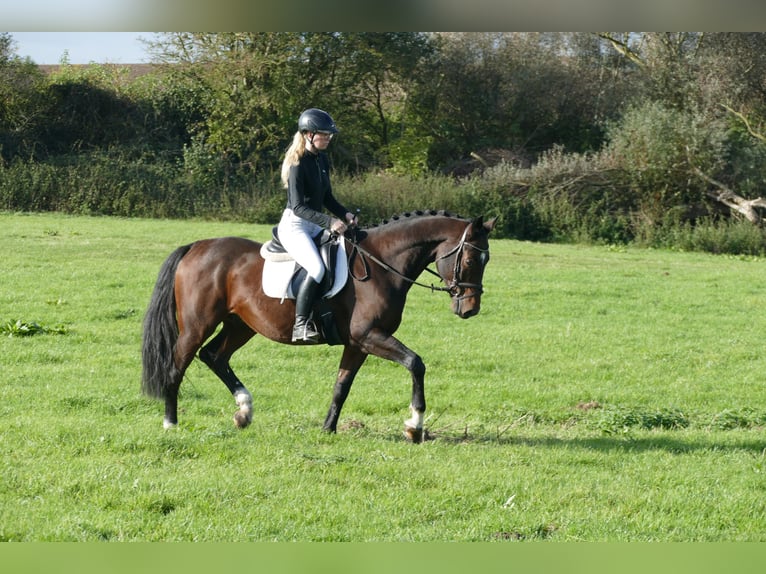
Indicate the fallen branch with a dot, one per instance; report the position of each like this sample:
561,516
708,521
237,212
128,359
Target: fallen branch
733,201
730,199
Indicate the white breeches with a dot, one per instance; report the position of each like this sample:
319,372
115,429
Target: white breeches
296,234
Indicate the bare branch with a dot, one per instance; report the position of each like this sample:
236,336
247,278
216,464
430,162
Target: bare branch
749,128
623,48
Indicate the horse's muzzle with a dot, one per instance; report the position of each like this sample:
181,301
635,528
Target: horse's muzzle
468,313
466,306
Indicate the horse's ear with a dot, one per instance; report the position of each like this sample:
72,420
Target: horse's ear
489,225
479,222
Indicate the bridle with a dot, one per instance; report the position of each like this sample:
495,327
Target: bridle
455,287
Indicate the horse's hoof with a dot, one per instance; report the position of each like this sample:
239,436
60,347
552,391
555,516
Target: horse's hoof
413,434
244,415
242,419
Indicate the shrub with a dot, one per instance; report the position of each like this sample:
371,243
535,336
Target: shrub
738,419
379,195
21,328
709,235
580,197
502,191
652,146
620,419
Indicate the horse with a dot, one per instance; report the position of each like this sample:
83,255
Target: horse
217,282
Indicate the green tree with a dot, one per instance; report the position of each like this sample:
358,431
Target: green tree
717,79
519,91
252,87
20,102
376,78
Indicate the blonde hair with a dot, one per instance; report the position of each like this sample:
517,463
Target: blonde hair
293,155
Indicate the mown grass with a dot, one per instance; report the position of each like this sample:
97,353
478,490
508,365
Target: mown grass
601,394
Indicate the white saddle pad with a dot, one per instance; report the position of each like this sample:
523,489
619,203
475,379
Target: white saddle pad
278,272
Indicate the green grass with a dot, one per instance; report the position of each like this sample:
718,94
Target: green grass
601,394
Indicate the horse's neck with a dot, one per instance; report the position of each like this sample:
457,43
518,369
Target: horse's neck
411,250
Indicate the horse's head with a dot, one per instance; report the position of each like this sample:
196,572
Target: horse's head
461,266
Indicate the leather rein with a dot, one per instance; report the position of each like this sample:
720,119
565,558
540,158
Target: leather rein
455,287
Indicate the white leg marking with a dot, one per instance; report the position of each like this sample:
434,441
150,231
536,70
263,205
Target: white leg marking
415,421
244,401
166,424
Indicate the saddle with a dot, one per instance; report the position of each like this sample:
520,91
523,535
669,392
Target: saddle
282,275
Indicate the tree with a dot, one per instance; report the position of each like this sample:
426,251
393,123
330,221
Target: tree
376,75
6,47
253,86
20,101
520,91
719,79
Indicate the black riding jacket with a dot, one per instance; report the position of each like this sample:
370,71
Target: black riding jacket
309,190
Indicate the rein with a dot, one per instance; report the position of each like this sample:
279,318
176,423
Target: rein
455,287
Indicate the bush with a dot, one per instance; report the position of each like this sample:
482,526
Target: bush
564,197
502,191
616,420
580,197
719,237
379,195
93,184
652,146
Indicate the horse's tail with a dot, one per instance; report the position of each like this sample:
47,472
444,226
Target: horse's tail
161,330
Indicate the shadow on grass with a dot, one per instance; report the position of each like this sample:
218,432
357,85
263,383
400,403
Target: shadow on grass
623,443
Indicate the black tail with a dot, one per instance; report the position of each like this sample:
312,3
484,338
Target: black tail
161,330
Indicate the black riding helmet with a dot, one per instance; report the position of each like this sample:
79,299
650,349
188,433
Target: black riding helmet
315,120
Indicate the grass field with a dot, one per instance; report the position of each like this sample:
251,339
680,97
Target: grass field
602,394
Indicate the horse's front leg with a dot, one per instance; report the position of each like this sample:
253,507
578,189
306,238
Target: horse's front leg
386,346
413,426
350,363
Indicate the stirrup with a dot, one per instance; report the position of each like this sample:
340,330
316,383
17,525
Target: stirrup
305,332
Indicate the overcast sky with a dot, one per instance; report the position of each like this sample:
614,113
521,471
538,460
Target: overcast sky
82,47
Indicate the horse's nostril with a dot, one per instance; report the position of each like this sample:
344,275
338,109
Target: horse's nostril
469,313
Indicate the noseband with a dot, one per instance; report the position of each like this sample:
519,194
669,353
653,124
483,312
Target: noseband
455,287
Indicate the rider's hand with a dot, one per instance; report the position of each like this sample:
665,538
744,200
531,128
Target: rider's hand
351,219
337,226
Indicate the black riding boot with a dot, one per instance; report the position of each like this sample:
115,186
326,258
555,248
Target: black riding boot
304,329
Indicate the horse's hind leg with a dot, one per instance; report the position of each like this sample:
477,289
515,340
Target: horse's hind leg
171,405
216,354
185,348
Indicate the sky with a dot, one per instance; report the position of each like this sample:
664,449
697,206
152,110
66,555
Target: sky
82,47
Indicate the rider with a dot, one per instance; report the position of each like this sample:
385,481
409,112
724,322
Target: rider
305,174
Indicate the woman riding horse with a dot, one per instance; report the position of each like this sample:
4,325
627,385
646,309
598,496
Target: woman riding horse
214,283
305,174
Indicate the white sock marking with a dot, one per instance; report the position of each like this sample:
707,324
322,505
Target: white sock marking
415,421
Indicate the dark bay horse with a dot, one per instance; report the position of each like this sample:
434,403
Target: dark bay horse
216,282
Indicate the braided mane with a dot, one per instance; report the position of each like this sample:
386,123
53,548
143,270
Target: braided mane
411,214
